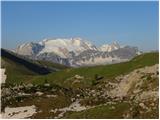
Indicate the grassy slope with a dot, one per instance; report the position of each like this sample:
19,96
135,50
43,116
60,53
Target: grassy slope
17,73
51,64
108,71
107,112
100,112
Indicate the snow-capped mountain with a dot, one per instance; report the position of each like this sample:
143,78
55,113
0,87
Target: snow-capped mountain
61,47
109,48
76,52
29,49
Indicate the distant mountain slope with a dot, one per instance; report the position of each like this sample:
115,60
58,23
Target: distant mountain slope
16,72
66,77
28,64
20,68
76,52
51,65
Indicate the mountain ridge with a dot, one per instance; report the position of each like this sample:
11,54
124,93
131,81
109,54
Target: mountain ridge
76,52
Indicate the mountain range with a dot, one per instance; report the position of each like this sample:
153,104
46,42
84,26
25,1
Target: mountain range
76,52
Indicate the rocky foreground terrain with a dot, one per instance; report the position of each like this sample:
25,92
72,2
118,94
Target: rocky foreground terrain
133,95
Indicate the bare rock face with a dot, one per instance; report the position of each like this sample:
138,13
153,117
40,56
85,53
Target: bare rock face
3,75
133,82
19,112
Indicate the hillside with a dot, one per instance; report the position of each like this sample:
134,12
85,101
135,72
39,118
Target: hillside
124,90
17,71
108,72
51,65
20,69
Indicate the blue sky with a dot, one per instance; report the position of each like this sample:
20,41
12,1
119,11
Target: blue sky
129,23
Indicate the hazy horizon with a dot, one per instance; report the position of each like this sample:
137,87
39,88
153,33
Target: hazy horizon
128,23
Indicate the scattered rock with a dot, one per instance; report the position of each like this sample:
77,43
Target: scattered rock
76,81
73,99
78,77
29,85
142,105
113,107
51,96
78,95
46,84
152,104
39,93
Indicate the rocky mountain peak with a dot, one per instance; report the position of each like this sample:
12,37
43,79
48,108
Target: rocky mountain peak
108,48
76,51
